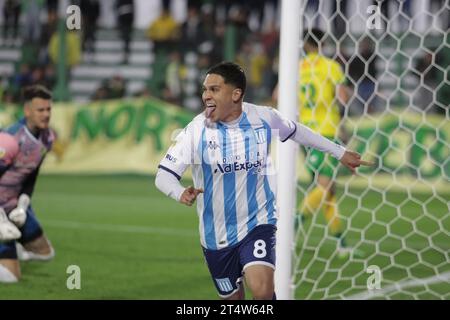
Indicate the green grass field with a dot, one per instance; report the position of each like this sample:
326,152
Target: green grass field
132,242
407,237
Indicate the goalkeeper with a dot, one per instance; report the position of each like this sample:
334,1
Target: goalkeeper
321,87
23,147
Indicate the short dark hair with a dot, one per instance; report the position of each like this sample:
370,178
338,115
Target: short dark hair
231,73
36,91
313,37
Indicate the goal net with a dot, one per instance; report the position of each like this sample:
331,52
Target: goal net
394,216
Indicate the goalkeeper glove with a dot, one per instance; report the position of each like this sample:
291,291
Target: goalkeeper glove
19,214
8,231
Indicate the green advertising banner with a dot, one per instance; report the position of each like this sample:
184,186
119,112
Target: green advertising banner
131,136
409,151
109,137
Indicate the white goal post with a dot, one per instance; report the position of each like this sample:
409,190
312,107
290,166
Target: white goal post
286,182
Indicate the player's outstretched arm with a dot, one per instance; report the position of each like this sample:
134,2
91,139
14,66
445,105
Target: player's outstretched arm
305,136
189,195
352,160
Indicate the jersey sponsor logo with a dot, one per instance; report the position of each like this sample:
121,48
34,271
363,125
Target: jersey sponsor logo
224,284
238,166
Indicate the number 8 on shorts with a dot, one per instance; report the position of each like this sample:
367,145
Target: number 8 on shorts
260,249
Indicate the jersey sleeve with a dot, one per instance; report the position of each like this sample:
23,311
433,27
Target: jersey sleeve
178,157
301,134
286,128
336,74
9,148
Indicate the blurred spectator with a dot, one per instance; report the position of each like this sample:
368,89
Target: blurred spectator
427,73
49,76
363,82
402,12
270,39
144,93
116,87
312,14
8,96
90,11
37,75
125,19
440,11
203,65
254,61
239,19
443,77
73,49
113,88
208,22
32,10
174,79
52,5
101,93
164,32
21,78
191,33
4,84
255,8
342,58
11,13
48,29
244,59
339,17
217,52
211,33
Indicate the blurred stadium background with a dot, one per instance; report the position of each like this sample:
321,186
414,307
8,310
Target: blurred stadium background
132,75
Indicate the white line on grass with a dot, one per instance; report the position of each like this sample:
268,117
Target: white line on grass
444,277
119,228
166,231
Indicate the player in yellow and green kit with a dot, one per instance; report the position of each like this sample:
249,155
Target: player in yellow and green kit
321,90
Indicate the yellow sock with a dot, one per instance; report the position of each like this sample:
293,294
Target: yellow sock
332,216
313,201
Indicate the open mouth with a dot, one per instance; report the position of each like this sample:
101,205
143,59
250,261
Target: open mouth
209,110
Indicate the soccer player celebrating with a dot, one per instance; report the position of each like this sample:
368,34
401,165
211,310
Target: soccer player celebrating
23,147
227,147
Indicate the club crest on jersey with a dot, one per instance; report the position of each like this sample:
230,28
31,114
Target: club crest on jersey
260,134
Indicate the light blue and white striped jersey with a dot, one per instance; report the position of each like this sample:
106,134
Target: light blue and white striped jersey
231,163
